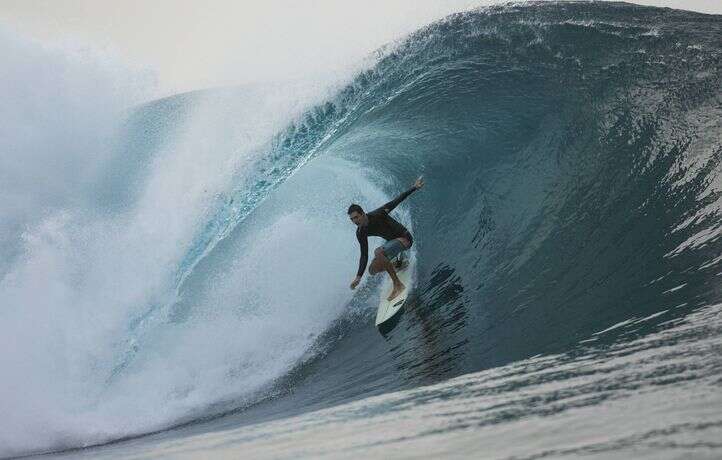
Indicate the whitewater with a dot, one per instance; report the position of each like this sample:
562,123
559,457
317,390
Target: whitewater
174,276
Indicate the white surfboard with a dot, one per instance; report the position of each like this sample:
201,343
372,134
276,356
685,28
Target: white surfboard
389,308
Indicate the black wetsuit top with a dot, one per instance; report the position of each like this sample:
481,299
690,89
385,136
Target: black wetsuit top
383,225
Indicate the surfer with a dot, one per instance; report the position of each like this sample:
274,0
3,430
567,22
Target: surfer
379,223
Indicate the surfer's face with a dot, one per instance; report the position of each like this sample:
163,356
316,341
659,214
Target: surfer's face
357,218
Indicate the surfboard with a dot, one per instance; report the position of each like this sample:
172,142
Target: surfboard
389,308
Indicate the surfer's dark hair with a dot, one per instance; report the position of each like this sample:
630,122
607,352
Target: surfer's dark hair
355,208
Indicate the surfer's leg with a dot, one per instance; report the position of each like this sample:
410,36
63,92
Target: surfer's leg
389,267
382,263
398,285
376,265
389,250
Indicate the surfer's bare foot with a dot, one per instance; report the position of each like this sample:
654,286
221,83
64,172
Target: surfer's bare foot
396,291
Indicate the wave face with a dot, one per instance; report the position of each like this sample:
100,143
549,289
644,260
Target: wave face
572,158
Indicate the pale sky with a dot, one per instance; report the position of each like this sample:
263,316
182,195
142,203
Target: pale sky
192,44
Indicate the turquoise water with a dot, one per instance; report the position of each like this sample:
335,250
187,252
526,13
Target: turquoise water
567,251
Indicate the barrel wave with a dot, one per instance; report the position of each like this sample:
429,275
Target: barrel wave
572,157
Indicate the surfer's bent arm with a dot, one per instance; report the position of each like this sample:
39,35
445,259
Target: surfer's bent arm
388,207
363,241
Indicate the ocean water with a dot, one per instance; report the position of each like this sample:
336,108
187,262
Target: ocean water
178,285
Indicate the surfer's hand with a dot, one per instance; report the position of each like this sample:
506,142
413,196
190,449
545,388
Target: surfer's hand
419,183
355,282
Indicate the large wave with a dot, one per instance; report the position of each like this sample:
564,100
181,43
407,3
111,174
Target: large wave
571,153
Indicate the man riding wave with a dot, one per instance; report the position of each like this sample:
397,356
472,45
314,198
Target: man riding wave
379,223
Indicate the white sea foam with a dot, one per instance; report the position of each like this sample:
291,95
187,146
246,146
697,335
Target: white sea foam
77,281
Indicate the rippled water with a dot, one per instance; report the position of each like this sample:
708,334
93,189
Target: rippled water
657,396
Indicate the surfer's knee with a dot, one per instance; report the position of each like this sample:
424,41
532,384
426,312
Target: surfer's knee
375,266
372,268
380,258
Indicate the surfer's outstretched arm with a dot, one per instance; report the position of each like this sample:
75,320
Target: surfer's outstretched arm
388,207
363,241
